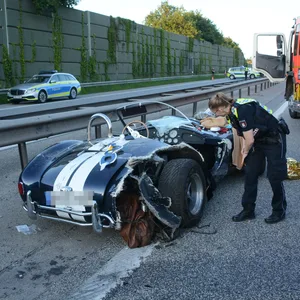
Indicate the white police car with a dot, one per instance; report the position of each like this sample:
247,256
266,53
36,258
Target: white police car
45,85
239,72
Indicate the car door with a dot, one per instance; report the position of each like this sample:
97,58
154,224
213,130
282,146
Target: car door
54,87
64,84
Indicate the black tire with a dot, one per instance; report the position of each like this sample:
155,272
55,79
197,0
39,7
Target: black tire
252,76
42,97
183,181
293,114
73,93
232,77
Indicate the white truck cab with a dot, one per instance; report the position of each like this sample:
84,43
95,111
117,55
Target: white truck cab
279,59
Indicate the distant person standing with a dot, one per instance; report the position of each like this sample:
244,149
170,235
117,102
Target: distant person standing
246,73
212,74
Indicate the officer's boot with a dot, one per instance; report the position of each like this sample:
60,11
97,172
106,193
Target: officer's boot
245,214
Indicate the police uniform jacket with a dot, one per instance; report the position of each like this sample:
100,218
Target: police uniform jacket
247,114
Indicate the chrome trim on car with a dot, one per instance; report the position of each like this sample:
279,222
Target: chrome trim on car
107,120
32,208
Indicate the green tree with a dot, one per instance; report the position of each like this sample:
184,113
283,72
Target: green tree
207,30
228,42
52,5
172,19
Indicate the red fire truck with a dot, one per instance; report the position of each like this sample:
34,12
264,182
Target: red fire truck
279,59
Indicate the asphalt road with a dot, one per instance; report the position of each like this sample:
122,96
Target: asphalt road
224,260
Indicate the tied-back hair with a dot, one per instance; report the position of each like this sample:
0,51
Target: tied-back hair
219,100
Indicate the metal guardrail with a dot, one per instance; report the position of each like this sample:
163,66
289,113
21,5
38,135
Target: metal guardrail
114,82
21,130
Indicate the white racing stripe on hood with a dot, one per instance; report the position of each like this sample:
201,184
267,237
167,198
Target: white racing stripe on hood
81,174
79,178
65,174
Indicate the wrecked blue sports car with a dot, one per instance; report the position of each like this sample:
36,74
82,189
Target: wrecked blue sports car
150,178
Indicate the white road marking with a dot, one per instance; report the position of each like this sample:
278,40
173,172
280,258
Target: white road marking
280,110
111,274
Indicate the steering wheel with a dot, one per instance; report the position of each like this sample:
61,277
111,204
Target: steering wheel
133,132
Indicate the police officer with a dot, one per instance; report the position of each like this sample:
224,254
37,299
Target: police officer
264,137
246,73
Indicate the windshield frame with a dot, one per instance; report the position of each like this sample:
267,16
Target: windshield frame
46,79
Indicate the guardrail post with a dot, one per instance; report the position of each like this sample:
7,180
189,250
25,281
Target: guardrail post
231,94
98,131
268,84
23,154
265,85
194,108
248,90
261,87
240,93
255,90
173,112
143,118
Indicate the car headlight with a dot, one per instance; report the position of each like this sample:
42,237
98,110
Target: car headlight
30,91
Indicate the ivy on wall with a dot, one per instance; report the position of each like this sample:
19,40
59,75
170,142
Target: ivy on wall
181,63
127,27
169,58
21,43
174,63
162,52
191,44
134,62
14,61
113,38
151,61
143,54
10,65
151,56
83,54
147,58
7,67
92,62
155,53
33,52
57,40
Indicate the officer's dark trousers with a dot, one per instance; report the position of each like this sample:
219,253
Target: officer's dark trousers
276,172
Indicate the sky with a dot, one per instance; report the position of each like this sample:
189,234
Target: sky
236,19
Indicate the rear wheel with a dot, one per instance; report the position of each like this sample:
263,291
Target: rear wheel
231,77
73,93
183,181
42,97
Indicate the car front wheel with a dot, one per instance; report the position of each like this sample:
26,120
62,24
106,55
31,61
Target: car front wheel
183,181
293,114
42,97
252,76
231,77
73,93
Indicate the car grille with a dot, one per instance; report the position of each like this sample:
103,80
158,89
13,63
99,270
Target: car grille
17,92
